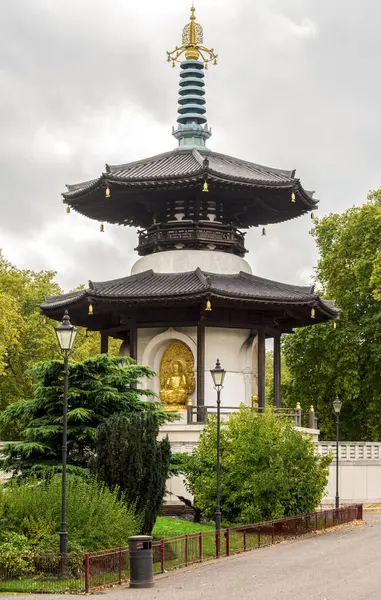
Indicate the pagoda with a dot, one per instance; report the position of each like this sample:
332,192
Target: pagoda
191,296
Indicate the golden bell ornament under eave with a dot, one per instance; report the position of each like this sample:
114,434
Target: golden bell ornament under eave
264,231
205,187
334,324
91,309
108,192
208,307
102,228
293,197
68,210
313,313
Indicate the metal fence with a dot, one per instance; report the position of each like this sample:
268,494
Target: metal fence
94,570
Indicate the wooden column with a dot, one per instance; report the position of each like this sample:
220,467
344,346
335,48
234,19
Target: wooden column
201,366
261,369
104,343
277,372
133,340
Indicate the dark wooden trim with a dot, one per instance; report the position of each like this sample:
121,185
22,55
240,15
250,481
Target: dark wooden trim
201,362
133,340
277,372
261,369
104,343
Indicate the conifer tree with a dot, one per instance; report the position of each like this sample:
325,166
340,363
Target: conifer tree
98,388
129,456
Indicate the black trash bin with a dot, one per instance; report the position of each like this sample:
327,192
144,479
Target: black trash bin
141,561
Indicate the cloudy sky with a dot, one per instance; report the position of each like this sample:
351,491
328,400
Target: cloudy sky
84,82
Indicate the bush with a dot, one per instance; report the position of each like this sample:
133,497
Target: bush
15,557
96,518
268,469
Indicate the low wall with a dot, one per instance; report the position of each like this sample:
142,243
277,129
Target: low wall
359,472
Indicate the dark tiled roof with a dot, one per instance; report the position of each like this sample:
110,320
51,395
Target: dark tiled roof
150,286
180,164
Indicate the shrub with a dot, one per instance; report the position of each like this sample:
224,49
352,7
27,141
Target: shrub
15,557
268,469
97,519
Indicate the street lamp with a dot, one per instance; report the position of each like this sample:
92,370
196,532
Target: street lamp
218,374
66,334
337,404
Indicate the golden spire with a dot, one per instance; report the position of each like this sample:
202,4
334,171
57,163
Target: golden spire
192,44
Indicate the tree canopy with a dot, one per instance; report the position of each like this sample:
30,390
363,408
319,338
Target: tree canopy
98,388
325,361
25,337
268,469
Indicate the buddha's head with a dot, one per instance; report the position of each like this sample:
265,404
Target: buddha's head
176,368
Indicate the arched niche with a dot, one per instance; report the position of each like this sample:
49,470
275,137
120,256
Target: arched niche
155,349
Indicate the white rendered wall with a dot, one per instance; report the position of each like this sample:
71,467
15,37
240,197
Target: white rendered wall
234,348
182,261
359,472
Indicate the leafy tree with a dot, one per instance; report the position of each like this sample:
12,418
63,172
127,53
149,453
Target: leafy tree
25,337
98,387
129,456
268,469
325,361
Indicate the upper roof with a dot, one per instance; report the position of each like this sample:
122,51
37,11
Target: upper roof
253,194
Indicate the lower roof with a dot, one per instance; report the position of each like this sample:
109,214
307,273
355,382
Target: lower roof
154,289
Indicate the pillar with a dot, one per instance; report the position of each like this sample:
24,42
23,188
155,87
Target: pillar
277,372
133,341
261,369
104,343
201,366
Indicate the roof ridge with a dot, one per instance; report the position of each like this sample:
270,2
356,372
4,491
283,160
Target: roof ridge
203,277
280,284
144,160
287,172
148,272
71,187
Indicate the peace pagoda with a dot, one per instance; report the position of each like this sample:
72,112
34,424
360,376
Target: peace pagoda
191,296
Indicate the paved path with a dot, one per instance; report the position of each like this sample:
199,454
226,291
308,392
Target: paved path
341,565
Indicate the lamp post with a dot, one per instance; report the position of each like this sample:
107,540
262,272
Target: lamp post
66,334
218,374
337,404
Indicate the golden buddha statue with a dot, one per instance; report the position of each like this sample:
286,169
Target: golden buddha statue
176,376
176,389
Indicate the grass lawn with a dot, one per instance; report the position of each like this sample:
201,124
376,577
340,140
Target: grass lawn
168,527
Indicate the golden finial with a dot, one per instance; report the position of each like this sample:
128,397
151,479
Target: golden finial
192,44
298,407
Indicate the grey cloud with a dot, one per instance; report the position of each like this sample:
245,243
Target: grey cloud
297,87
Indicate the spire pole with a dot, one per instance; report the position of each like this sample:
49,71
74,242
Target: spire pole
192,131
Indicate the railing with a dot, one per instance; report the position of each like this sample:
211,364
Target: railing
191,234
200,414
86,573
352,451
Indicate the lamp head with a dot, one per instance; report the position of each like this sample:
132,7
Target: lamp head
337,404
218,374
66,334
